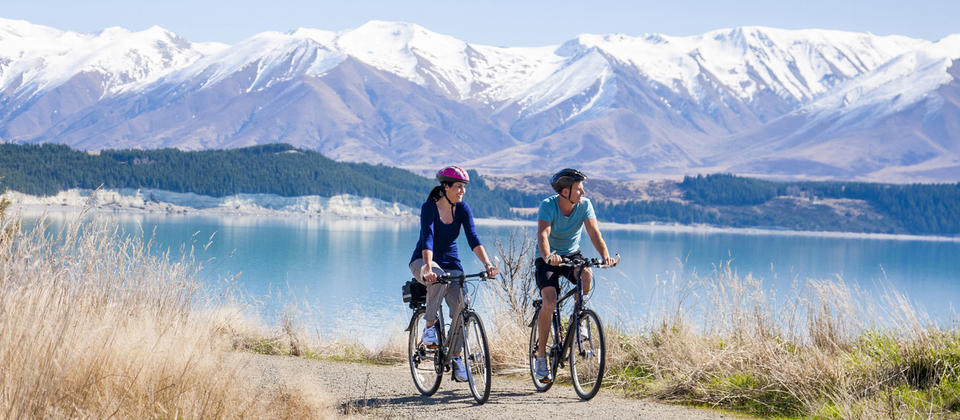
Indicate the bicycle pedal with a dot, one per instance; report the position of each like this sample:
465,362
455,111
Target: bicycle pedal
432,346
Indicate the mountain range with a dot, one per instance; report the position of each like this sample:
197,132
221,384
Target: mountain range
750,100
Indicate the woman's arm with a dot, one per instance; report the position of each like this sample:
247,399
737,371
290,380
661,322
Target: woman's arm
481,253
470,229
426,272
428,213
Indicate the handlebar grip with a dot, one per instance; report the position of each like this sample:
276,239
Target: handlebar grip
592,262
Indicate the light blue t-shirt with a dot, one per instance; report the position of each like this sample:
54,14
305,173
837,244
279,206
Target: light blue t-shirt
565,230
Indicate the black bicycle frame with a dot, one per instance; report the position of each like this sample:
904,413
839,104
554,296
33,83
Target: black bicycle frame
577,307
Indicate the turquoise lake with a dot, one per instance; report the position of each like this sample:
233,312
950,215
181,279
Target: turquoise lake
344,276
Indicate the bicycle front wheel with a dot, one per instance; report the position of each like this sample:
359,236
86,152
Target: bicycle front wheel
477,357
426,370
587,355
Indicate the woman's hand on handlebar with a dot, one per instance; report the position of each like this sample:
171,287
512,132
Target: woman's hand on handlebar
492,267
427,273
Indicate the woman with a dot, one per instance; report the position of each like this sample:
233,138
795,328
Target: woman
441,217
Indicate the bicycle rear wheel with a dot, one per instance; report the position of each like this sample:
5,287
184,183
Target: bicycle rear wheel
587,355
425,369
532,352
477,357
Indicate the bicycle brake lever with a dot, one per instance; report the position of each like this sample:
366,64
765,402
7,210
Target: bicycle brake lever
615,262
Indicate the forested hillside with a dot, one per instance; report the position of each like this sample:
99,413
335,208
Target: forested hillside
914,208
272,169
280,169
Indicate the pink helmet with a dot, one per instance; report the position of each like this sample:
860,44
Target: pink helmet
451,174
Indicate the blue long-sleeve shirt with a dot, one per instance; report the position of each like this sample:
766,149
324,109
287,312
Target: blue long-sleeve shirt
441,238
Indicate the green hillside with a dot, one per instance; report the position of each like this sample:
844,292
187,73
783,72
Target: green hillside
271,169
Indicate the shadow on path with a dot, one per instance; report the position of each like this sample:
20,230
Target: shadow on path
453,398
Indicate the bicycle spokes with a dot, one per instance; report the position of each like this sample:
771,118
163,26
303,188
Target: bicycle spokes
550,354
425,366
477,358
587,356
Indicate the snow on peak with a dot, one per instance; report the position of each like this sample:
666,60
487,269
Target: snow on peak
797,64
412,52
401,31
950,45
898,83
273,56
41,58
12,28
588,73
320,36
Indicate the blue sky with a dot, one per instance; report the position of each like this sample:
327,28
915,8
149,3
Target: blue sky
491,22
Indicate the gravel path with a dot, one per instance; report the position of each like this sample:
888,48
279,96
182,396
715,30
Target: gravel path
388,392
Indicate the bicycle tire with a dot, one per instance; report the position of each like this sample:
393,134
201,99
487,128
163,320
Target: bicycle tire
534,336
425,369
588,354
477,357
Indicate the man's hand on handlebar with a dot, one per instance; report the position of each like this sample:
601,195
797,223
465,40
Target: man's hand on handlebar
605,262
554,259
610,262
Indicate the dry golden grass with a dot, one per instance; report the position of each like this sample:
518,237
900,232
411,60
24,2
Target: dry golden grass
725,340
94,325
827,350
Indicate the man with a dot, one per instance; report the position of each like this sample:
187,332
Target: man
561,220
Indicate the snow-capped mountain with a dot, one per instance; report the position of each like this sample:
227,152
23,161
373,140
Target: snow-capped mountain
899,121
753,100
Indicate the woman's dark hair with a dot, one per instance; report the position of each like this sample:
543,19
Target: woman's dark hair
437,192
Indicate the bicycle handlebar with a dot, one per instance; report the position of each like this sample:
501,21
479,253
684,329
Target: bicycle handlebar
582,262
447,277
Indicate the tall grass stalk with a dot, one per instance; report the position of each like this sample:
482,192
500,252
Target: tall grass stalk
94,324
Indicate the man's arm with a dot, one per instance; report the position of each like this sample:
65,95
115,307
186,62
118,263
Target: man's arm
543,243
593,230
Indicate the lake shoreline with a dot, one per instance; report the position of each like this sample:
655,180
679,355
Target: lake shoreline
347,207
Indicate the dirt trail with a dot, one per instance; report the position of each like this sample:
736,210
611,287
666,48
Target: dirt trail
387,392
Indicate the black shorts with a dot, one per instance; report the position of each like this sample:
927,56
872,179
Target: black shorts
549,275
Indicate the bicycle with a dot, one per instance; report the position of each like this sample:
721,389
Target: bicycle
427,365
588,359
